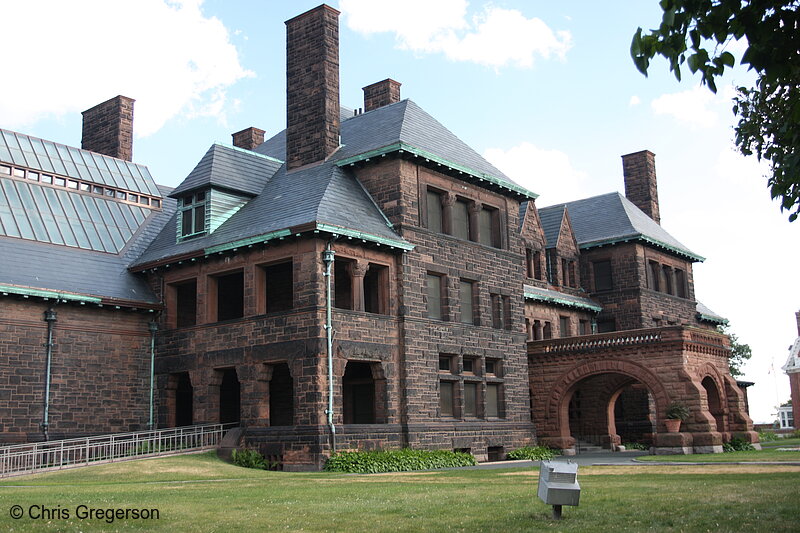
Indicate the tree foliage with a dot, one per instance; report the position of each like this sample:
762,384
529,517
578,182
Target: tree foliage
696,33
740,353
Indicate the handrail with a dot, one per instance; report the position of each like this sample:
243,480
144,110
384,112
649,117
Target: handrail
18,459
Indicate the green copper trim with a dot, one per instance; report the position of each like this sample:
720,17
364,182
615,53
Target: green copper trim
247,242
44,293
712,319
562,301
403,147
338,230
645,239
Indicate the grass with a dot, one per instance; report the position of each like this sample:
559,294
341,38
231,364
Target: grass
781,443
767,454
201,493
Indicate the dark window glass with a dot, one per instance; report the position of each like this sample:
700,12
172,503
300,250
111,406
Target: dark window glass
537,265
445,363
492,400
230,296
461,220
343,284
469,365
376,282
602,275
583,327
434,221
186,303
434,296
186,222
471,399
655,281
680,283
466,299
563,324
279,287
605,326
199,218
528,262
446,398
667,275
491,367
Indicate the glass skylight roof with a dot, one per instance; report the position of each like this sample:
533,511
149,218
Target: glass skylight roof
25,151
61,216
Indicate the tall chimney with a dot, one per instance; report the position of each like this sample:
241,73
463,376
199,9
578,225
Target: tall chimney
381,93
797,316
248,138
312,86
108,128
641,188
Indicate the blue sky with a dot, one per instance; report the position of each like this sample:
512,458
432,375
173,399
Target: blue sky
545,90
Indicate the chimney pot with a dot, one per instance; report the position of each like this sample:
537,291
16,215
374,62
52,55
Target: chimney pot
381,94
108,128
641,188
248,138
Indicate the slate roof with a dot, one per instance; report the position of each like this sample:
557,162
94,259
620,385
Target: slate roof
230,168
551,218
560,298
323,197
612,218
403,126
707,315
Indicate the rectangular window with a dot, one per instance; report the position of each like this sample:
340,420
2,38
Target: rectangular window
34,176
469,365
492,400
506,312
434,221
376,288
605,326
563,278
20,173
230,296
446,398
563,326
471,399
488,227
573,278
445,363
343,284
680,283
279,287
655,275
497,311
667,276
547,331
493,368
537,265
461,220
5,170
186,303
528,262
193,212
466,298
434,296
602,275
583,327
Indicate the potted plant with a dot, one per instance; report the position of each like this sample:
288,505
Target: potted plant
676,413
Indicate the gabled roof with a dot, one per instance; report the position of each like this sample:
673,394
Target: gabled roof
404,127
560,298
316,198
552,219
228,167
611,218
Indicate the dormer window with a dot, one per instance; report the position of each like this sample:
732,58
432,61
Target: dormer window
192,214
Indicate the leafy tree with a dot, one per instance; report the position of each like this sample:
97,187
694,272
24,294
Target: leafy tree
695,33
740,353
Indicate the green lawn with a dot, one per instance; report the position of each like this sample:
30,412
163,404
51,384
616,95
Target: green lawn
201,493
767,454
780,443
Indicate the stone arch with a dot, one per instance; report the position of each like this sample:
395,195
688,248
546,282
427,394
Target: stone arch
561,393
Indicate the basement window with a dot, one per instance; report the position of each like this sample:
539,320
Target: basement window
192,214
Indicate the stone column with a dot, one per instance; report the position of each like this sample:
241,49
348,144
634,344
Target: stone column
358,269
448,199
474,222
254,393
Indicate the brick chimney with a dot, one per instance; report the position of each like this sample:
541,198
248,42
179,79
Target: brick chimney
641,188
797,317
312,86
381,93
248,138
108,128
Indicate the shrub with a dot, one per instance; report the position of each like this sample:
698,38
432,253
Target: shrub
677,411
532,453
250,459
404,460
636,446
737,445
767,436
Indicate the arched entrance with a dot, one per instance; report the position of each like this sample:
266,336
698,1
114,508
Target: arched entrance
358,393
281,396
714,402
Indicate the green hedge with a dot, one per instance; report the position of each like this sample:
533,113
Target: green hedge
532,453
404,460
251,459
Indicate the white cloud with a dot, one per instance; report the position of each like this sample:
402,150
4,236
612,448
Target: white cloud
634,101
548,173
168,56
496,37
692,107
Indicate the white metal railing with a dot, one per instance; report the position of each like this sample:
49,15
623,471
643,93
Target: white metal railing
33,457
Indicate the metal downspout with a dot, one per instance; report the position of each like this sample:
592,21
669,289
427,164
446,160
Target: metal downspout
50,317
327,258
153,326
